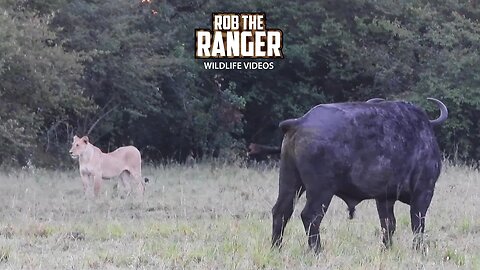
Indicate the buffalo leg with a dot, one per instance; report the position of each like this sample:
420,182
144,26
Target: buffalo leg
290,188
312,215
387,220
418,209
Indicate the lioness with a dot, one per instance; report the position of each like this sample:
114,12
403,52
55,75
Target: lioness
95,165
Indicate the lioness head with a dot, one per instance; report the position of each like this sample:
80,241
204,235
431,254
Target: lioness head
79,145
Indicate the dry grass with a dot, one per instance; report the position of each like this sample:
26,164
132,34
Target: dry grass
204,218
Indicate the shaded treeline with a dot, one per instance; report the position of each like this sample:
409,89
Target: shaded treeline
124,70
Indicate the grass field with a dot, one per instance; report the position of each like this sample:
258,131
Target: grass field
218,218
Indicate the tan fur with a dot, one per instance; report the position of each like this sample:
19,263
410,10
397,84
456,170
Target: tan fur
125,162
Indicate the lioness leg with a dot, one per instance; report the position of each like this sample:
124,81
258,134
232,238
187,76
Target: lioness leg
138,182
125,179
85,182
97,182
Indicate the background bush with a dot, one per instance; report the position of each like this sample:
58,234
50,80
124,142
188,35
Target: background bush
125,71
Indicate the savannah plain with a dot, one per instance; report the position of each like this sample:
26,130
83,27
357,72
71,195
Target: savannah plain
218,217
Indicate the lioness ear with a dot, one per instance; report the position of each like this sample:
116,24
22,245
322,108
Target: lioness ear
75,137
85,139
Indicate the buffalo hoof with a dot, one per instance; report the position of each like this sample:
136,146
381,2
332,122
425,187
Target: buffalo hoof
276,243
420,244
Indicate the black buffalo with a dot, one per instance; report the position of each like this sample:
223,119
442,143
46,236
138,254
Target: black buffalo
379,150
255,149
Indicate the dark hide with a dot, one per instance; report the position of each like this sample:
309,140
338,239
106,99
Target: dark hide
385,151
255,149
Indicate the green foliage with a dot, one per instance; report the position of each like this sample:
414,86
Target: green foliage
38,85
124,70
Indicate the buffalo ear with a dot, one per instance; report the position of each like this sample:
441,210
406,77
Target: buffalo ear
85,139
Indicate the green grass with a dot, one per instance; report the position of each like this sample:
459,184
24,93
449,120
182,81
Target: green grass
218,217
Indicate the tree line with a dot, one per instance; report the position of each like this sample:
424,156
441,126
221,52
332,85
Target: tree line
124,72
